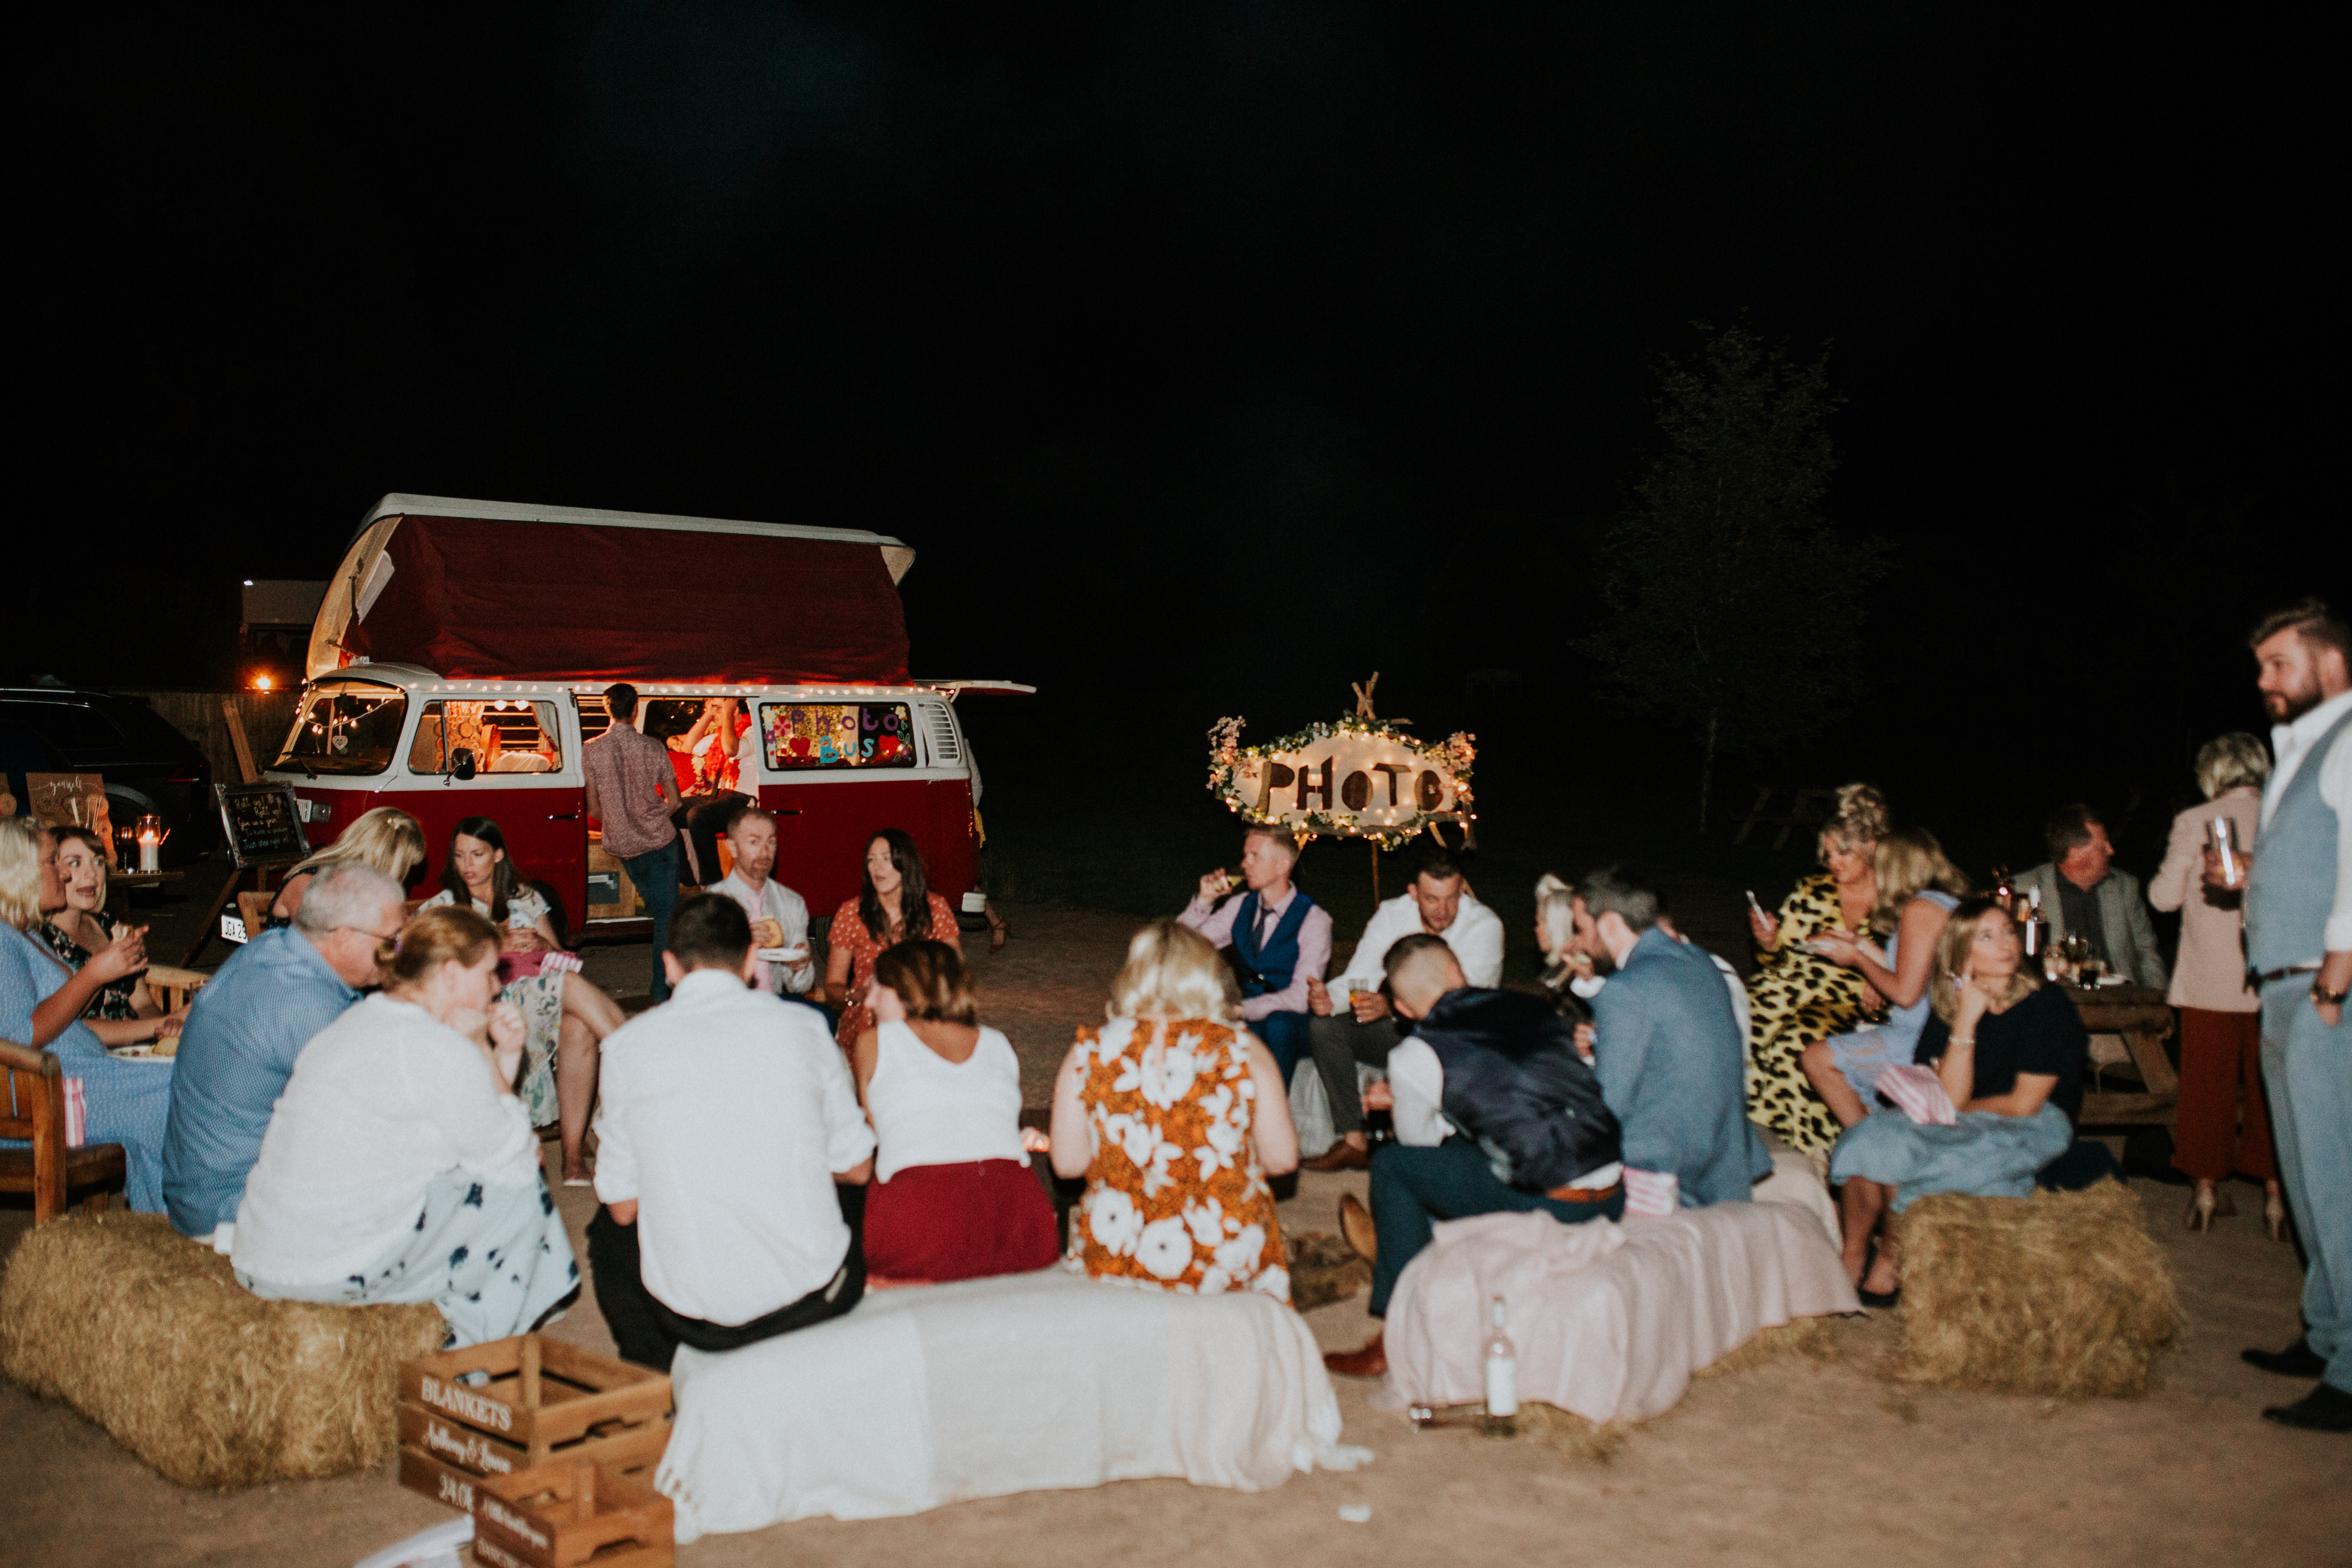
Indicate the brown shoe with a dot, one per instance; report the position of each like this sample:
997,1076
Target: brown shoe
1355,1228
1373,1361
1340,1156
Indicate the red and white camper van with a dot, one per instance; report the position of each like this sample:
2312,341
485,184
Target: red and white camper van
460,659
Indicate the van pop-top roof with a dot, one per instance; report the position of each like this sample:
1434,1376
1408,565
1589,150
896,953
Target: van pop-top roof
494,590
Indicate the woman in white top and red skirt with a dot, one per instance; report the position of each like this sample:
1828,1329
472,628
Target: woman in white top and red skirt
953,1196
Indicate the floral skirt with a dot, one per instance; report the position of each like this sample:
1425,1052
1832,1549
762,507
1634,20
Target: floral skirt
493,1258
540,997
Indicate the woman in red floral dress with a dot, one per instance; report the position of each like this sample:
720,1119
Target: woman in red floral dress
896,882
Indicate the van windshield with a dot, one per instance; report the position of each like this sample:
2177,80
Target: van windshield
346,727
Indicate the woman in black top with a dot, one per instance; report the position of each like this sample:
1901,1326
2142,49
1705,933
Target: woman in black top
2009,1053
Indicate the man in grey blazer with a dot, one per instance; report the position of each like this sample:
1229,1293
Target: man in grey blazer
2083,894
1668,1049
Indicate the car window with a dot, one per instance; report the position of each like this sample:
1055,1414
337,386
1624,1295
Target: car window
68,726
346,727
512,736
800,736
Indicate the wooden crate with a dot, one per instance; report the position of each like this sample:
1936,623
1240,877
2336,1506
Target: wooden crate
452,1486
490,1554
541,1395
478,1453
564,1514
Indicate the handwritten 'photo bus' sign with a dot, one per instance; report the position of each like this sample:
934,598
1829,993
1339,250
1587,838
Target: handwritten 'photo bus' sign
1352,779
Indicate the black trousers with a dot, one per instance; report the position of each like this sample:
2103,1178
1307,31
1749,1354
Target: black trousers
702,819
648,1333
1339,1043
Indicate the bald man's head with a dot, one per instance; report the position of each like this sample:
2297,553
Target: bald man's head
1421,969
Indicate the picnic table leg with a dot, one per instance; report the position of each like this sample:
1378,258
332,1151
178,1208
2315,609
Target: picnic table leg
210,926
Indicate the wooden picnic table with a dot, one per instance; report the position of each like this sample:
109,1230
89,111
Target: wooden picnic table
2141,1016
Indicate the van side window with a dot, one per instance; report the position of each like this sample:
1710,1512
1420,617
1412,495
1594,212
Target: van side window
510,736
798,737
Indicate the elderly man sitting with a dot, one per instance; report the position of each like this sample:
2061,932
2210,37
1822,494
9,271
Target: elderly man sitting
1668,1048
1495,1110
249,1024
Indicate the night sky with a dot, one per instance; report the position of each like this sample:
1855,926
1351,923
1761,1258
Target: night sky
1214,356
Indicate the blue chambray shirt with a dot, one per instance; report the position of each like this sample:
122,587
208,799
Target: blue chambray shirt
237,1051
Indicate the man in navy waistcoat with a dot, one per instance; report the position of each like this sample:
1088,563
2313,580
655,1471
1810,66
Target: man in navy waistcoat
1280,936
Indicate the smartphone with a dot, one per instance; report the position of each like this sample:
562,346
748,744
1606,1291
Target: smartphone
1752,903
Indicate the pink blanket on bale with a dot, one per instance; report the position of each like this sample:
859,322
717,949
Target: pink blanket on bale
1609,1321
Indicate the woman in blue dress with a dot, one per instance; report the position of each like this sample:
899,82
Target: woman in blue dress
42,1001
1917,890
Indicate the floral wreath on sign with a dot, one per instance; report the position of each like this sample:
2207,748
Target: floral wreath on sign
1454,754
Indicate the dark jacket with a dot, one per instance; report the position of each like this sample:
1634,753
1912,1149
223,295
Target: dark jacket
1515,1083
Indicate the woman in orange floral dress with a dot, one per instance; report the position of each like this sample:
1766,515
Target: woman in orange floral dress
1176,1117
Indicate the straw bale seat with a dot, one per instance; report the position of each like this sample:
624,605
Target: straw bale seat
2059,1294
149,1335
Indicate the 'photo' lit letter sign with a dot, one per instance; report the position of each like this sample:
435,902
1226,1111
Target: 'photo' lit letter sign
1348,780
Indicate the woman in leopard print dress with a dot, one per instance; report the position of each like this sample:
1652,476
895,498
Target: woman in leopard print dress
1795,998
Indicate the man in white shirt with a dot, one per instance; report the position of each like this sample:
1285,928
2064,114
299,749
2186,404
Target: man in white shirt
752,836
1351,1021
1496,1111
733,1157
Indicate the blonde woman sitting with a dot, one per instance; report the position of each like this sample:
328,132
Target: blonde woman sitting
123,1012
399,1166
2007,1052
1176,1116
386,840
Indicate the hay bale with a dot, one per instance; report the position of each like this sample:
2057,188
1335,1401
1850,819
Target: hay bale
1819,1339
149,1335
1570,1435
1324,1268
2062,1294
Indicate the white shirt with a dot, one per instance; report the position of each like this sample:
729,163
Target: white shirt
382,1100
2289,743
929,1110
1476,936
776,902
1417,1082
726,1113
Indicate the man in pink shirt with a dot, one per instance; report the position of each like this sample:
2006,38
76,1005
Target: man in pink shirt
1282,937
632,790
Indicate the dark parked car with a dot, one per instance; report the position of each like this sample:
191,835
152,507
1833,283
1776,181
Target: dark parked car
148,766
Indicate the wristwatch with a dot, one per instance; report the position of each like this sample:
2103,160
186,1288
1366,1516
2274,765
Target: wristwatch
2321,994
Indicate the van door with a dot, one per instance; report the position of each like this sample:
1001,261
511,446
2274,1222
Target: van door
524,755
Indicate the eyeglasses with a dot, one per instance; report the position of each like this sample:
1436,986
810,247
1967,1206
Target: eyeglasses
392,935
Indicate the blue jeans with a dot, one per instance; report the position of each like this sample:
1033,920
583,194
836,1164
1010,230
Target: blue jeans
1413,1188
2308,1072
655,873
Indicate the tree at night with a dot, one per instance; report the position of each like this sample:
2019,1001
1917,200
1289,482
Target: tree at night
1733,607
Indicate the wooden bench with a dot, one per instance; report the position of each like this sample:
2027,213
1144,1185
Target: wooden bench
34,1110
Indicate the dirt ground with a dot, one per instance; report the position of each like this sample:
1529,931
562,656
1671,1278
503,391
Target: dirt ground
1795,1462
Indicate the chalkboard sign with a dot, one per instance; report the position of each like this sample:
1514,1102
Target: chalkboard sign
263,825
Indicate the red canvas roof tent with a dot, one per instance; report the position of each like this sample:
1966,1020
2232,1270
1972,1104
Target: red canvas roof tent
494,590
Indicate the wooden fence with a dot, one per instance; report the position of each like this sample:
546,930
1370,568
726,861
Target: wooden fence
265,717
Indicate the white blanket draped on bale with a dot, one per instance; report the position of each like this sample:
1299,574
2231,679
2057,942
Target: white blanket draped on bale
1026,1382
1609,1321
